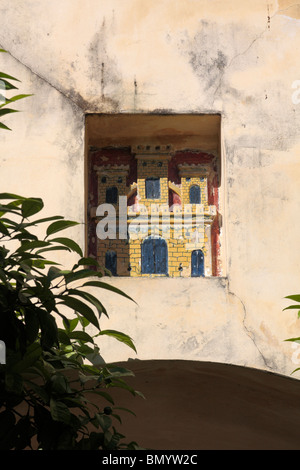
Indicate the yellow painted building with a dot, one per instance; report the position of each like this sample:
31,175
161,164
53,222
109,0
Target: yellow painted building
163,238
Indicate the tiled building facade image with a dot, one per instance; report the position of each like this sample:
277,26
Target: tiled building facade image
172,218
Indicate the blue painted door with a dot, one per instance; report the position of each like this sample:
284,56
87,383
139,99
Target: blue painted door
197,263
160,256
111,262
148,256
154,256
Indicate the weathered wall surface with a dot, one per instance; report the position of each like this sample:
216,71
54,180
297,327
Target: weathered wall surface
237,58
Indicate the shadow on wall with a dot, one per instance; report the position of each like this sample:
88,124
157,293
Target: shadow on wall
193,405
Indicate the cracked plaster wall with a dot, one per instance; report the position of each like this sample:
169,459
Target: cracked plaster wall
189,56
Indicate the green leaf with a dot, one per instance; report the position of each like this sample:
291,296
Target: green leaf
84,350
31,206
87,378
3,112
59,411
76,275
45,219
124,409
24,235
296,340
83,321
103,285
42,263
53,248
10,196
119,383
293,297
82,309
30,245
70,325
105,395
3,126
40,391
291,307
117,371
69,243
9,208
49,333
4,75
60,384
63,337
81,336
3,229
123,338
7,85
53,273
88,262
60,225
90,298
14,98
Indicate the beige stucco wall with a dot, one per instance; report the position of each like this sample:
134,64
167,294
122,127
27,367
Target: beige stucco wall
237,58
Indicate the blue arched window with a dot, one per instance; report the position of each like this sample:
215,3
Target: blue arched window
195,194
112,195
154,256
197,263
111,262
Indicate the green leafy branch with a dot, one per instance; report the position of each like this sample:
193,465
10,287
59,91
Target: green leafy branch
6,85
296,306
53,369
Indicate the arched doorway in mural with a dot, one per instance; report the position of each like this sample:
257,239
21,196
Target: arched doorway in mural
154,256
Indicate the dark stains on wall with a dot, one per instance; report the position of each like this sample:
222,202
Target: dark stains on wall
102,79
202,62
103,74
135,93
205,53
266,117
76,97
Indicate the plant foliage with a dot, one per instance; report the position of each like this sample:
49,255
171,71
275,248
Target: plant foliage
6,85
296,306
50,374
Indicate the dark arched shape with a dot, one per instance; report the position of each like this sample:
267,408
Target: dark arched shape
231,400
154,256
152,188
195,194
111,262
197,263
112,195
